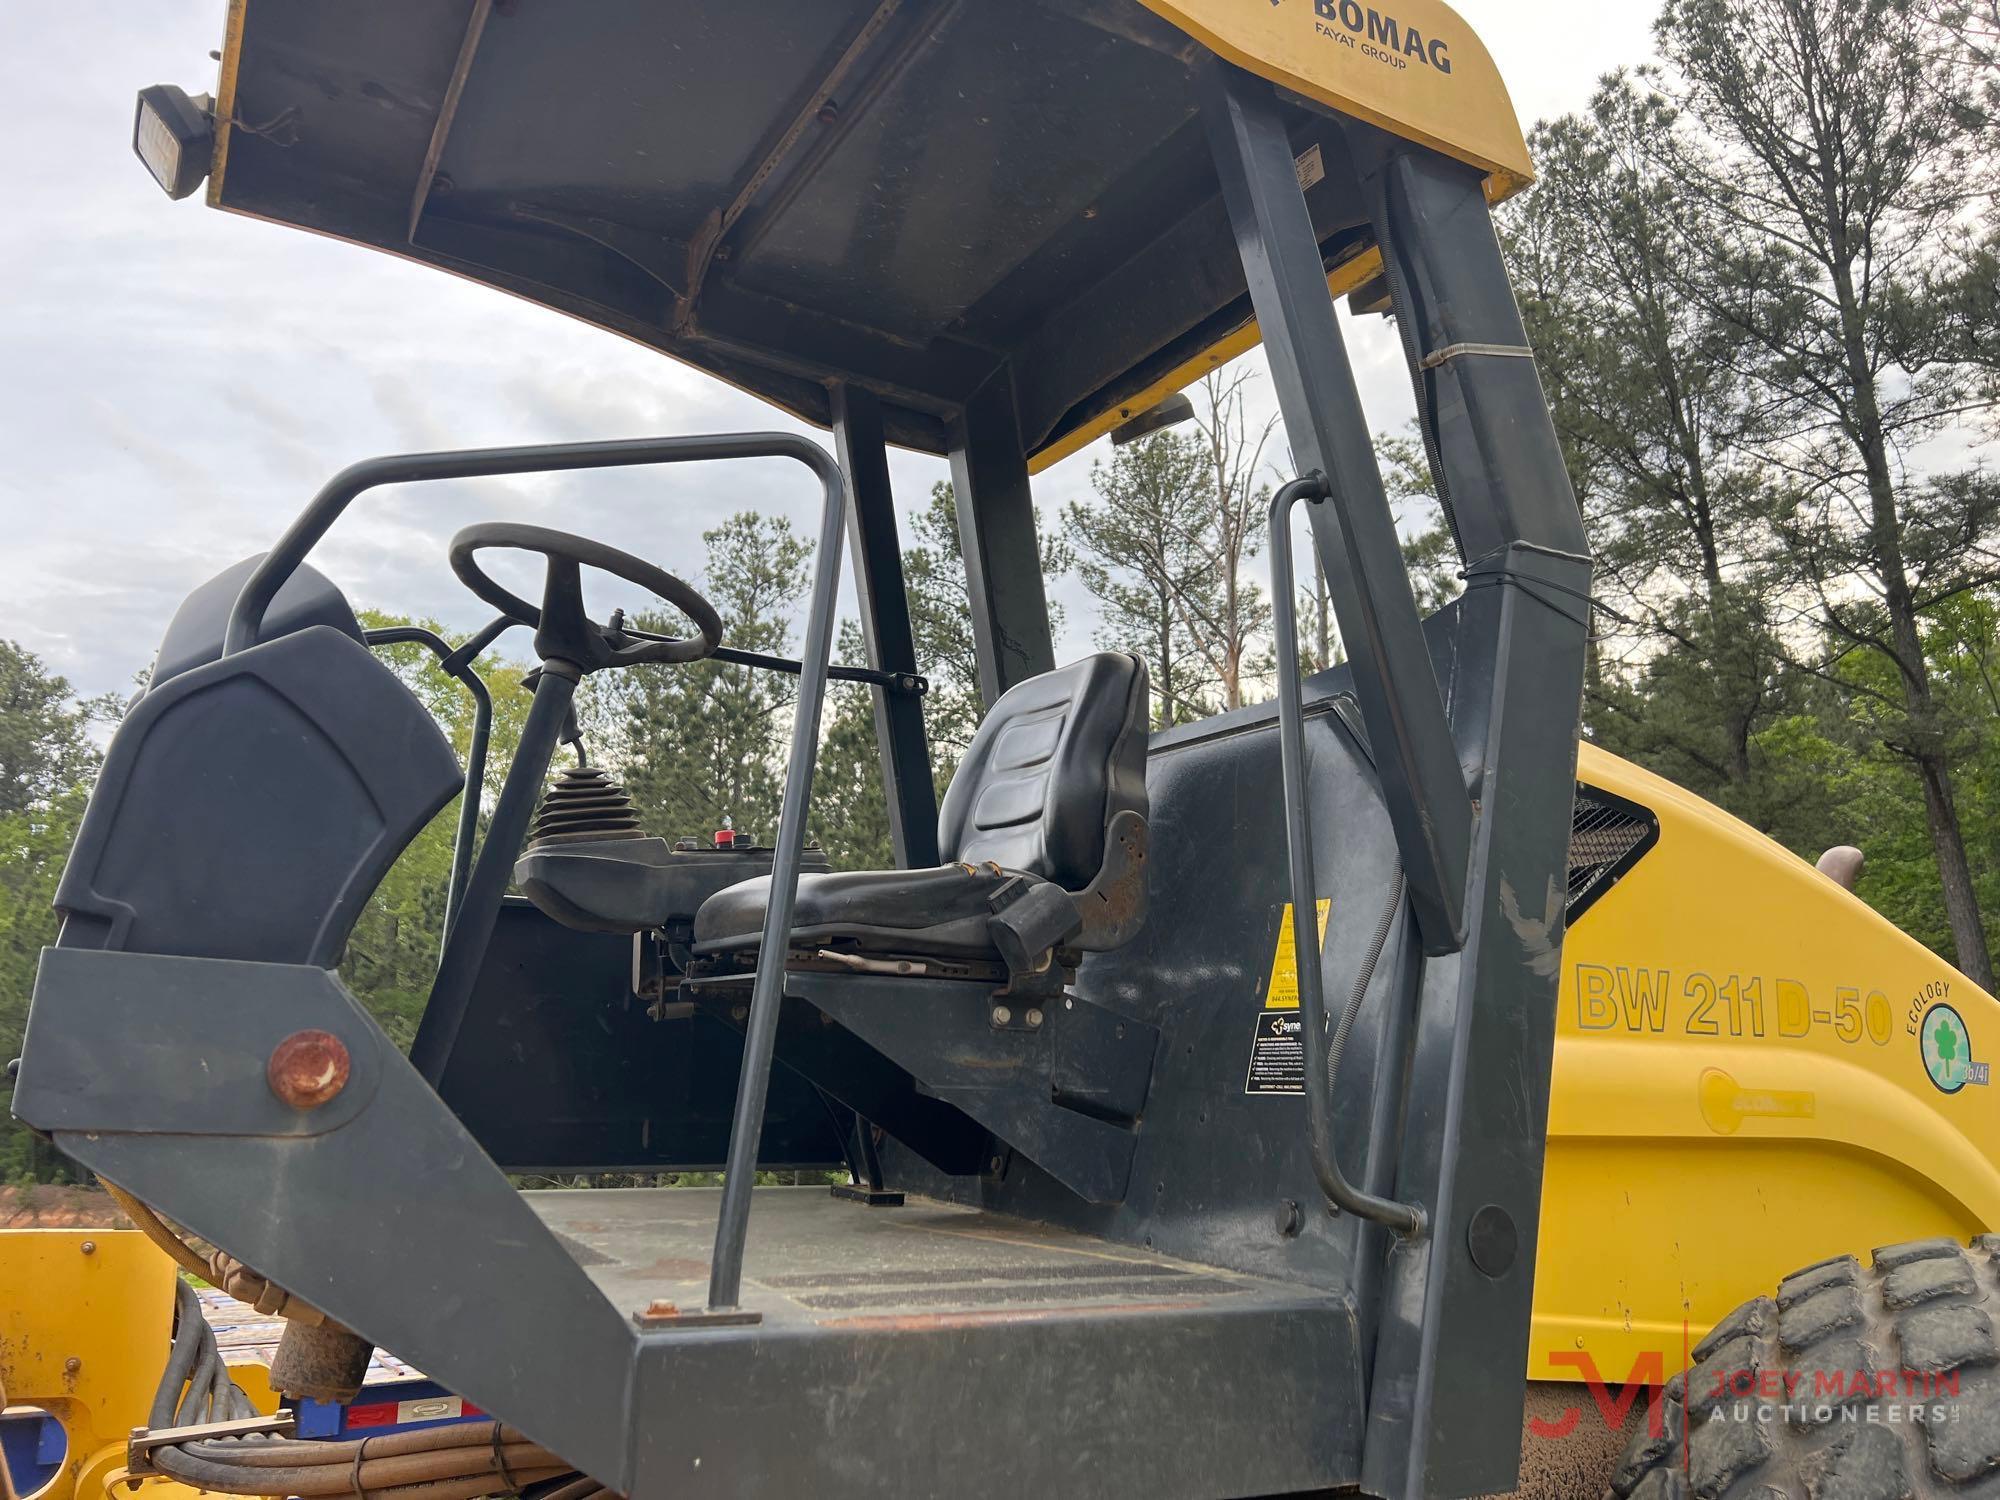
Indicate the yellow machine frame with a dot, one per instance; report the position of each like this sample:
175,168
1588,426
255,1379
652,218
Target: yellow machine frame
1740,1089
85,1324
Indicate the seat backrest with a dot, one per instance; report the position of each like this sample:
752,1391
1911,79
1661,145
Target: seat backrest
1054,761
195,634
248,806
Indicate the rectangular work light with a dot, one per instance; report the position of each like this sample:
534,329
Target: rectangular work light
174,136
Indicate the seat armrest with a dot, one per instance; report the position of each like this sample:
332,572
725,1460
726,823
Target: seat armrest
1031,919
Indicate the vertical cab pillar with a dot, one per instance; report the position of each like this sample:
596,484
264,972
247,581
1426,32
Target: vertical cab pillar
1355,532
885,626
1454,1332
996,527
1478,795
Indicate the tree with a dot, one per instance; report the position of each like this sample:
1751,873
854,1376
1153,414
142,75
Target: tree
1430,555
45,747
47,762
701,745
1835,146
1656,418
850,810
1137,555
941,627
1164,546
392,954
34,844
1231,611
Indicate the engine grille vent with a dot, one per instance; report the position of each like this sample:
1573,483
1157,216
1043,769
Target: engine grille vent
1607,836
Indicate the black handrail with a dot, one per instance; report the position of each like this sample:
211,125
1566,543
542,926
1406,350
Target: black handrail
1404,1218
458,969
457,661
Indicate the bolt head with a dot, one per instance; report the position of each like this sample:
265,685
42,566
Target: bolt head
1002,1015
72,1365
1035,1017
88,1247
308,1068
1290,1218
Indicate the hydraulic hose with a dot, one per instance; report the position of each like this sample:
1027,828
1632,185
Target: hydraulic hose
217,1267
433,1482
464,1461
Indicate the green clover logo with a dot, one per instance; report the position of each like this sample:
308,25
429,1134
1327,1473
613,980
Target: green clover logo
1947,1049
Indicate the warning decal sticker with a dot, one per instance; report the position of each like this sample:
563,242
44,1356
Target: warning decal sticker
1282,993
1277,1047
1278,1055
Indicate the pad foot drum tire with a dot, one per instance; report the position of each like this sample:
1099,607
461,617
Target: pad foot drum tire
1854,1382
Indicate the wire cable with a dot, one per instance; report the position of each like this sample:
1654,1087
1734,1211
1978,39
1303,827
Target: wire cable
1363,977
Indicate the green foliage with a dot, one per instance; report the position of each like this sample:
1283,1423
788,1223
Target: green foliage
34,842
941,626
1754,280
850,809
45,746
392,954
47,761
701,746
1429,551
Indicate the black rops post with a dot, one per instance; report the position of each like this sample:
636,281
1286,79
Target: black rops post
996,528
1359,549
885,625
1485,870
1457,1309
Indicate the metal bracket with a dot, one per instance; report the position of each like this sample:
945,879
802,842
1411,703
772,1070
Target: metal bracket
1113,905
1454,351
662,1317
140,1446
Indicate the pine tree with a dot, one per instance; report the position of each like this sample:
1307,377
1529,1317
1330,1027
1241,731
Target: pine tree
1835,145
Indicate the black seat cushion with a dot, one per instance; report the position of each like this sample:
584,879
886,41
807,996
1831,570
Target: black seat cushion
1053,762
882,909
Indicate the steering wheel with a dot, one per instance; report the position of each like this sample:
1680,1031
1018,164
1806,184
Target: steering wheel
562,630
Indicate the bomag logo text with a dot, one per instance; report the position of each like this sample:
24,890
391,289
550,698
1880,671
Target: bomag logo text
1379,35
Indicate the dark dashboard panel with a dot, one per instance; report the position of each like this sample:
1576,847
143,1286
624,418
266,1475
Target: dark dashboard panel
559,1068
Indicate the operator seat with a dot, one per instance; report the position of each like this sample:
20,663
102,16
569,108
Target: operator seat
1045,825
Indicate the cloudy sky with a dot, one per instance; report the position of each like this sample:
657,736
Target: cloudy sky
175,382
